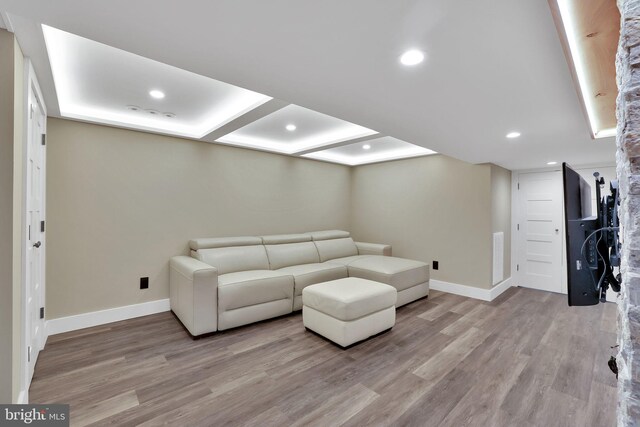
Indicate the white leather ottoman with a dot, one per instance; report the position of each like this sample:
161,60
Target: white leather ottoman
349,310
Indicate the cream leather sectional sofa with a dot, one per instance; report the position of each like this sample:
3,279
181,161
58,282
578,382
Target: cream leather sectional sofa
233,281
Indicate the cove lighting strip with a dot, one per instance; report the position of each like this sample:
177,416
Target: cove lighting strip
382,156
578,62
345,133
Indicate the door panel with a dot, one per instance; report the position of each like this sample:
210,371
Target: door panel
540,234
34,292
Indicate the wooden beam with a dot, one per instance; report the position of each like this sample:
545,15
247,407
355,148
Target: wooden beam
597,27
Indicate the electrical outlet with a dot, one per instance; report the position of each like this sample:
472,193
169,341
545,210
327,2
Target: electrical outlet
435,265
144,283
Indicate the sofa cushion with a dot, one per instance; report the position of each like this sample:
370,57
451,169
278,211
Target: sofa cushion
398,272
336,248
289,254
328,234
350,298
245,288
235,258
277,239
347,260
310,274
223,242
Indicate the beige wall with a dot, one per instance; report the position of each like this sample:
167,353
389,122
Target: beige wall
120,203
428,208
501,211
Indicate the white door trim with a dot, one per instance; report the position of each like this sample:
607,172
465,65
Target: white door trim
31,87
515,274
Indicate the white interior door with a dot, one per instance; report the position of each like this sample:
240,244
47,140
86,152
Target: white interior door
35,233
539,231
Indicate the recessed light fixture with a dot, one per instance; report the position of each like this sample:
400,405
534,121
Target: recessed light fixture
552,163
169,115
291,127
412,57
157,94
512,135
153,112
133,107
366,147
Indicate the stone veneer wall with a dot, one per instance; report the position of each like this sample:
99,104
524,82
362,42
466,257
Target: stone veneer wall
628,161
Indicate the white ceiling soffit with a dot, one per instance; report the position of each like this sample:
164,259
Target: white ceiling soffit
371,151
294,129
99,83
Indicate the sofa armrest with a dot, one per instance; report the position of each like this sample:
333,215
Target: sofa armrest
193,290
373,249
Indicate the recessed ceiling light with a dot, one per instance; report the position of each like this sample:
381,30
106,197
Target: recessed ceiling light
513,135
412,57
157,94
133,107
291,127
153,112
169,115
552,163
366,147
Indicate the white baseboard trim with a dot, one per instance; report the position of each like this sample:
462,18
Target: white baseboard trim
23,397
96,318
498,289
470,291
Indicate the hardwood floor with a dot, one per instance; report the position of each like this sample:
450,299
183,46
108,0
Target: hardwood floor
525,359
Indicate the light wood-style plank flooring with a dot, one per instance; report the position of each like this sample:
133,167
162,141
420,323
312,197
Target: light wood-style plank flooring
525,359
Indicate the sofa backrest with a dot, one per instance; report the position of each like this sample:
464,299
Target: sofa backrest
231,254
285,250
333,244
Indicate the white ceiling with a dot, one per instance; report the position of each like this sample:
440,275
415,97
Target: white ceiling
370,151
492,66
312,130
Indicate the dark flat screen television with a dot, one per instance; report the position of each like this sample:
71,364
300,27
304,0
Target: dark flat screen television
584,265
593,246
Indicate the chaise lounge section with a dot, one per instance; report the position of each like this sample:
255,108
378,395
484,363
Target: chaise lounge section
233,281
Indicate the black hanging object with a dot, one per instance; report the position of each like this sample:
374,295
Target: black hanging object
613,365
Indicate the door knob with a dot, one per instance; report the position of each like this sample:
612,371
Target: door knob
37,244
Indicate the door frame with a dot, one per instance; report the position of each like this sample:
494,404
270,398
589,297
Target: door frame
31,88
